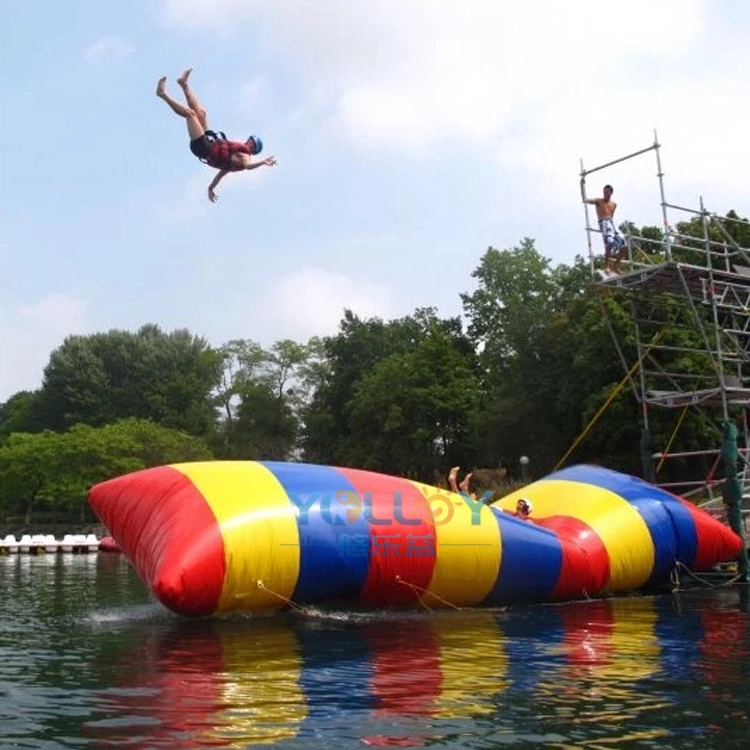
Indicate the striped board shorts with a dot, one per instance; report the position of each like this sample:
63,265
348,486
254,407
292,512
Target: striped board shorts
613,240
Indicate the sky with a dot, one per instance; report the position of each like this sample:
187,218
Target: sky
411,135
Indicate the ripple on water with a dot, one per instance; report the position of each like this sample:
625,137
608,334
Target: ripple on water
89,659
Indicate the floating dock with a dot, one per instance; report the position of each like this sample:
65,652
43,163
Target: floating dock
35,544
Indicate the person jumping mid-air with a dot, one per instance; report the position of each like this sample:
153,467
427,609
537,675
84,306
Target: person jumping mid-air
615,246
210,147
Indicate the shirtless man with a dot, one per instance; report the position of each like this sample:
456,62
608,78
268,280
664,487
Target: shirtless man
614,243
210,148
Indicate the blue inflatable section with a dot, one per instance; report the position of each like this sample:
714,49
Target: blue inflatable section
328,569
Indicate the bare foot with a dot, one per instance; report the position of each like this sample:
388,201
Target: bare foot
183,79
161,86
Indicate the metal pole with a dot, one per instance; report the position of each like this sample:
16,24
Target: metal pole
617,161
682,208
660,175
648,470
641,369
706,238
715,317
588,223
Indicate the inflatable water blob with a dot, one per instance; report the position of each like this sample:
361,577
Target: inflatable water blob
255,536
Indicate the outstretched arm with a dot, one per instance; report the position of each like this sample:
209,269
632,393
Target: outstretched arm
216,180
267,162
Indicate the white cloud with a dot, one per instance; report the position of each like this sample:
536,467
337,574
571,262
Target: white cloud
412,75
529,87
311,301
28,335
109,48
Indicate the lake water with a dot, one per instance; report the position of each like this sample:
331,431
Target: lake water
88,660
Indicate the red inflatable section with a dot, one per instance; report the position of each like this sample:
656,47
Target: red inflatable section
399,514
715,541
585,563
173,541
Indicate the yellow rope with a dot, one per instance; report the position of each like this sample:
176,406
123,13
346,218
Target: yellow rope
292,604
677,584
609,400
419,590
665,452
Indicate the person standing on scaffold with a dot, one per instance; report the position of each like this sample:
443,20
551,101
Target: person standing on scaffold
615,246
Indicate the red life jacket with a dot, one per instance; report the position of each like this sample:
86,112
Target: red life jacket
221,150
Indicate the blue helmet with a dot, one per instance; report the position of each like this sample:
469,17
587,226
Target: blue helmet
258,143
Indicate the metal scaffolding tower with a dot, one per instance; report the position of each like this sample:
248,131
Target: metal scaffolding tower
689,299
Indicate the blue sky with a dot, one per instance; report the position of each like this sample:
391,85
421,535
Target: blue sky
410,134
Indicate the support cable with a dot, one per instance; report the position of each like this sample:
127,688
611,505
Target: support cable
606,404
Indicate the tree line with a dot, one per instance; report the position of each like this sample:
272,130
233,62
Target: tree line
523,376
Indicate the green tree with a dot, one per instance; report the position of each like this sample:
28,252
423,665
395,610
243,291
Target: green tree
519,297
52,471
242,366
149,443
352,353
377,398
690,239
265,426
27,471
19,414
515,298
414,411
101,378
580,371
260,398
564,381
547,341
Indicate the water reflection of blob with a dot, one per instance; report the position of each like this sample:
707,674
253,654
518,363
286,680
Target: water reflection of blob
717,667
438,666
613,639
724,658
398,677
406,649
265,693
442,665
215,684
473,663
534,638
333,650
674,630
725,649
608,647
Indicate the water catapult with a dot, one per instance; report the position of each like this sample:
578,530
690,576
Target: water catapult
255,536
